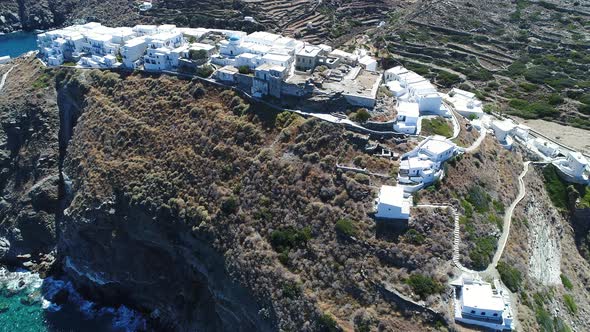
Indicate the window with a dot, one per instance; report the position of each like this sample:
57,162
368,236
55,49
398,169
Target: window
472,311
496,315
483,313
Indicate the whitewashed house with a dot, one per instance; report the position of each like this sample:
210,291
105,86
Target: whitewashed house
132,52
227,74
419,170
465,103
368,62
548,149
574,167
437,148
503,130
478,303
391,203
393,74
407,117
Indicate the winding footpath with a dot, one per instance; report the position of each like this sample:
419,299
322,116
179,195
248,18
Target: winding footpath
508,221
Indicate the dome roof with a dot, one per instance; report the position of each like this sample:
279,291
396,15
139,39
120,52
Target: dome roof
234,38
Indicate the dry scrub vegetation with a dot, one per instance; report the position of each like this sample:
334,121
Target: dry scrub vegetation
263,187
481,185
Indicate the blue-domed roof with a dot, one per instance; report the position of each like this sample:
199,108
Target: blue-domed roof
234,38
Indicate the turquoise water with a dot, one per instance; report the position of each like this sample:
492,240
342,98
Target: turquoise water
25,306
17,43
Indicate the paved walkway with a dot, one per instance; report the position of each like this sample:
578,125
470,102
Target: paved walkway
477,143
3,80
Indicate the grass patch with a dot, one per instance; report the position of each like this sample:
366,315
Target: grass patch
566,282
423,285
511,277
528,110
346,227
42,81
479,199
437,126
570,303
327,323
556,187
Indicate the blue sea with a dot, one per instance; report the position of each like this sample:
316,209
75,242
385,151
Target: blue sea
17,43
29,303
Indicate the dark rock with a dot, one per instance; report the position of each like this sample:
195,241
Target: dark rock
4,307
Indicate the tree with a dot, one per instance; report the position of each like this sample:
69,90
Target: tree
198,54
244,70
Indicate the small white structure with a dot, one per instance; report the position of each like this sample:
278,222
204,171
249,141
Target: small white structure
407,117
478,303
368,63
419,170
393,74
145,6
548,149
391,203
436,148
465,103
503,130
574,167
4,59
227,74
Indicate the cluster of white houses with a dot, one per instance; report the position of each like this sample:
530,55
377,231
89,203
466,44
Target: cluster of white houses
573,166
260,63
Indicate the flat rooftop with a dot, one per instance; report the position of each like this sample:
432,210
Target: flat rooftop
481,296
437,144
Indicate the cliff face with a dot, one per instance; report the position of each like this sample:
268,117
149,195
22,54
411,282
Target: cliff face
29,167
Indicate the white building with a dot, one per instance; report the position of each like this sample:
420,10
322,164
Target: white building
4,59
465,103
391,203
419,170
368,63
436,148
227,74
393,74
478,303
574,167
503,130
132,52
407,117
548,149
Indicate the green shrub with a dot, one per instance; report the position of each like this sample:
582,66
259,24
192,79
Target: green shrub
511,277
570,303
291,290
566,282
361,115
229,205
447,79
244,70
204,71
327,323
414,237
479,198
346,227
483,252
289,238
555,99
556,187
424,286
544,320
197,54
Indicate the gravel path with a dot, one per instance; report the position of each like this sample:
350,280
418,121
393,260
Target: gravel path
3,80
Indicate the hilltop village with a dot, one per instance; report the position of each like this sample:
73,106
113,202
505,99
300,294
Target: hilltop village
266,66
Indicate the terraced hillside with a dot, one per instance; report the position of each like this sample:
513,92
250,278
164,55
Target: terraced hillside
529,57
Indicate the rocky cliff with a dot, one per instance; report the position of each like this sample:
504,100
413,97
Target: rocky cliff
29,166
